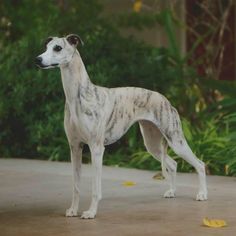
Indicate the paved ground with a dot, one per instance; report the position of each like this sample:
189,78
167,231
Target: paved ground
35,194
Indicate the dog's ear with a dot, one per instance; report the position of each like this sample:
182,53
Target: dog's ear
74,40
47,41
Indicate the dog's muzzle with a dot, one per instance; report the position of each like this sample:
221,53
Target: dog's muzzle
39,63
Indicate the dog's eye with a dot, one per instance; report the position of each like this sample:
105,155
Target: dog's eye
57,48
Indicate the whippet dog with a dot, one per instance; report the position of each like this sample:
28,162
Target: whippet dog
99,116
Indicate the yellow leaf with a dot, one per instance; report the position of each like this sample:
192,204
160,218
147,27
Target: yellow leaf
137,5
128,183
158,176
214,223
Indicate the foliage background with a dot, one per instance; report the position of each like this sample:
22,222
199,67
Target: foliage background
32,100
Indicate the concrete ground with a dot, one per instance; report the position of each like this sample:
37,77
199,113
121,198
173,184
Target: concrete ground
35,194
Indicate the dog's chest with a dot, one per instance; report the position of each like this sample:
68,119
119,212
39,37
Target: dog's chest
77,123
84,117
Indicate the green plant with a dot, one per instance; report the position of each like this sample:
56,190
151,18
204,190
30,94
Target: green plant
32,100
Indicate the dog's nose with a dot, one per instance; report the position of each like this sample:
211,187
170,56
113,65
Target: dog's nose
38,60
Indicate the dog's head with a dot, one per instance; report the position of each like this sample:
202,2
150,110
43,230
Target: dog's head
59,51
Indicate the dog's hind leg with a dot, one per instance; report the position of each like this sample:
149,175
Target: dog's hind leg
176,140
182,149
157,146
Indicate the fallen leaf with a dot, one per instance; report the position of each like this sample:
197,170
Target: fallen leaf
214,223
137,5
158,176
128,183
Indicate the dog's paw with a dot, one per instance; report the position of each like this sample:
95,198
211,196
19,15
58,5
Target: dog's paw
88,214
169,193
201,196
71,212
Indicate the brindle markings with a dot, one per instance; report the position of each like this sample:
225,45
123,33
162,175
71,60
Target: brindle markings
155,114
173,117
96,114
86,92
105,141
88,112
140,102
136,101
112,125
167,111
175,120
83,93
96,93
81,145
100,97
78,94
112,118
160,113
102,100
129,116
177,124
149,94
121,112
164,108
168,135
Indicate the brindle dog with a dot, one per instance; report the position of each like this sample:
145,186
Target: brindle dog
99,116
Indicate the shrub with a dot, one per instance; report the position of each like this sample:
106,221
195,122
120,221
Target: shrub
32,100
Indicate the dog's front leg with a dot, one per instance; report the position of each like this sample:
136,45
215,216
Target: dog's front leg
76,159
97,157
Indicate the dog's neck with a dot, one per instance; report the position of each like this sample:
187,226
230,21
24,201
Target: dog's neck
74,78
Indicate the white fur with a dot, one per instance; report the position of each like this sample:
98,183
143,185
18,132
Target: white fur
98,116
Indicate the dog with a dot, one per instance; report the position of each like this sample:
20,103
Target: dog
99,116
